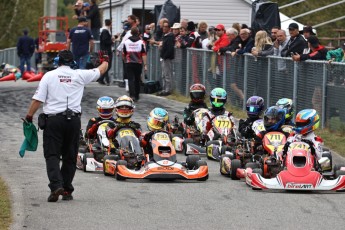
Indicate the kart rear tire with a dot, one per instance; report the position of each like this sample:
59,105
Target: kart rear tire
118,176
339,173
86,156
184,145
192,161
108,157
252,165
258,171
211,143
235,164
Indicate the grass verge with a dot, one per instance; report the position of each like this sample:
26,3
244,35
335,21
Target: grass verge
5,207
332,138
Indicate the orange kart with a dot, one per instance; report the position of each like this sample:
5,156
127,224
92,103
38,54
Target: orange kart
163,164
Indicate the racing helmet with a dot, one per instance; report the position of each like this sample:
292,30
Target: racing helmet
287,105
274,118
197,92
306,120
105,107
124,107
157,119
218,98
255,106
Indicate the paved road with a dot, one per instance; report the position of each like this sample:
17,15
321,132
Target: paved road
102,202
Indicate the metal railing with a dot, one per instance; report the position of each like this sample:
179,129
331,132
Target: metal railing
310,84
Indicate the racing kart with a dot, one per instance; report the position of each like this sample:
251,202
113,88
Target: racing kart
128,150
222,137
90,157
300,172
233,163
163,165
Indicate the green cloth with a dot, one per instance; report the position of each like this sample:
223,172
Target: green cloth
31,139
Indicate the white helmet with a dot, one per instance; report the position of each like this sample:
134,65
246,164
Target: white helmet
105,107
124,106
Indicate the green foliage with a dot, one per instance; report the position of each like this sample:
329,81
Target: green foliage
5,206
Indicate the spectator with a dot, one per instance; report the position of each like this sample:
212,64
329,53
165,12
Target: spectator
202,34
222,40
296,44
184,23
182,39
233,37
274,31
307,31
134,54
106,43
236,26
158,32
147,37
279,45
210,40
78,8
336,55
25,50
263,44
95,19
176,29
246,44
318,52
82,42
61,92
167,54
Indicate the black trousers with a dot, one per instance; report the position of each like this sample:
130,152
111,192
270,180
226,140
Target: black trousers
61,138
133,73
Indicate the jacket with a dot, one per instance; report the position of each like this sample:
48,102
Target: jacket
168,46
318,54
295,45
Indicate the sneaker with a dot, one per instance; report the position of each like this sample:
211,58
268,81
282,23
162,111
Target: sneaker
54,196
67,196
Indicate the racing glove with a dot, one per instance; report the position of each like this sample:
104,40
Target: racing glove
110,133
92,130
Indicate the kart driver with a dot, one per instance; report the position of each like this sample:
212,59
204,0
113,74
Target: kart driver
156,121
105,107
197,94
124,109
287,105
254,106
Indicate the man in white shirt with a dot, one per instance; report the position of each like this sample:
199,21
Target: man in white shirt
61,91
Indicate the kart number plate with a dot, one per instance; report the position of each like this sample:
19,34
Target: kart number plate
161,137
126,132
299,145
222,122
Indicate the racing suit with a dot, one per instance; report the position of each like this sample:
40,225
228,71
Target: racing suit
245,127
213,113
188,115
92,126
112,129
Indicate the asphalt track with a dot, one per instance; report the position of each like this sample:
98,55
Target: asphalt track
103,203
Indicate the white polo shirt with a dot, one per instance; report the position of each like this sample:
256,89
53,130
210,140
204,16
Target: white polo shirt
62,84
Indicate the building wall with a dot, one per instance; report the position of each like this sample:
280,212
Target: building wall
213,12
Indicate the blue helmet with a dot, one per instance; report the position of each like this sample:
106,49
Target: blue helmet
218,97
255,106
274,118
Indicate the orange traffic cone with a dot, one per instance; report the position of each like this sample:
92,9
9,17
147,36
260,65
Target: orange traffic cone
27,75
37,77
10,77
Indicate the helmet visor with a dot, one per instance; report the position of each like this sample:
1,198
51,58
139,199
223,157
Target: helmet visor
105,111
302,124
253,109
197,95
218,102
155,123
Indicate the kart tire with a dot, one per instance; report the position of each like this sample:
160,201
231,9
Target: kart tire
211,143
192,161
184,145
86,156
118,176
108,157
258,171
252,165
235,164
339,173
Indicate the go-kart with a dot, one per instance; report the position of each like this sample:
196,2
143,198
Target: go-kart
163,164
192,141
300,172
128,150
90,157
222,137
232,163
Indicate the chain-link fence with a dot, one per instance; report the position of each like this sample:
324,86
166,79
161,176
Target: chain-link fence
311,84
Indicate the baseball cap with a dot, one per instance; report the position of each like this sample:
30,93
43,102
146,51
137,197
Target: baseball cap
308,29
86,4
220,27
82,19
293,26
